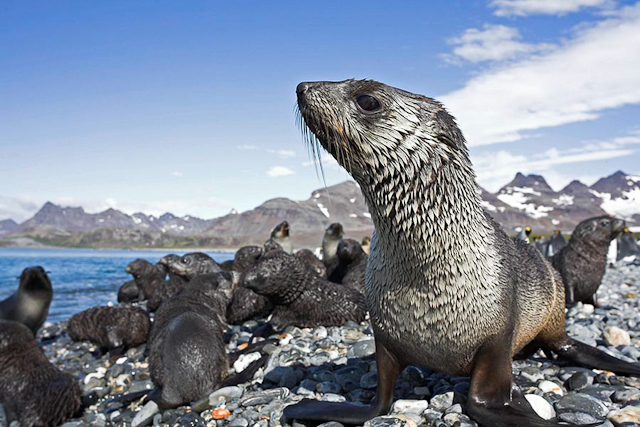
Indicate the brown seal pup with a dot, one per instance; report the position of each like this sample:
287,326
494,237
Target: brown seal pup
313,262
128,292
30,304
111,328
187,358
280,235
147,276
446,288
330,241
301,298
33,391
583,261
354,260
194,264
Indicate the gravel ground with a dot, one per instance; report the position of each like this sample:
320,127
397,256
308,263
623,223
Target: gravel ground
337,364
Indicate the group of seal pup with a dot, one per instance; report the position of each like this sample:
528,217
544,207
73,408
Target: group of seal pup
444,286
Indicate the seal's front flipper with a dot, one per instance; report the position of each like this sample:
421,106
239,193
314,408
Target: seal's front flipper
350,413
492,400
591,357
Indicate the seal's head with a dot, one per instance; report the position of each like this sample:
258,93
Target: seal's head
334,231
139,267
169,260
194,264
246,258
599,230
279,276
350,251
280,231
35,280
369,126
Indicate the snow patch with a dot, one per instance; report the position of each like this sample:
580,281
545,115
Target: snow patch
366,214
324,210
353,216
624,207
352,200
316,195
136,220
555,222
564,200
488,206
525,190
519,201
101,220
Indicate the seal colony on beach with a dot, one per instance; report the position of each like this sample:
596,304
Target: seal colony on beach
446,288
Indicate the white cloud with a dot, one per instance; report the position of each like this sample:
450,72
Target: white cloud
595,71
491,43
176,174
494,169
284,154
247,147
544,7
280,171
326,160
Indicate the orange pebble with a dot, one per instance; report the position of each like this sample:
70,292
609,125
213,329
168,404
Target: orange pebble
242,346
220,413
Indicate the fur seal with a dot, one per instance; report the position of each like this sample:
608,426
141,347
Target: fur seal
280,235
33,391
30,303
583,261
313,262
187,358
366,244
170,287
446,287
301,298
193,265
114,329
245,303
556,242
147,276
627,245
354,260
332,237
128,292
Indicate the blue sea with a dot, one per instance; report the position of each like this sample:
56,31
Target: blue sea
81,278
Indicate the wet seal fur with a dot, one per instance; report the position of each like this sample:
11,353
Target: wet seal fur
187,358
582,263
353,261
280,235
33,391
194,264
446,288
30,303
147,276
245,303
111,328
128,292
312,262
301,298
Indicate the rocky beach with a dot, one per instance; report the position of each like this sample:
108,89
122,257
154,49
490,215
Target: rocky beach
337,364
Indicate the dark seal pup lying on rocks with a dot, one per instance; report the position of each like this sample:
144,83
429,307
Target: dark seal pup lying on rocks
446,288
245,303
147,276
114,329
583,261
301,297
187,358
33,391
30,303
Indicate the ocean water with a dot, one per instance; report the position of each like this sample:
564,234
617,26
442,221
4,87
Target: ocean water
81,278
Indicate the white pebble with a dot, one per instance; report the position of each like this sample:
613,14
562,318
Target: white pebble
245,360
628,414
615,336
550,387
409,406
541,406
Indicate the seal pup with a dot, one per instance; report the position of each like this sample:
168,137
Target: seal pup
34,392
187,358
245,303
113,329
446,287
128,292
366,244
583,261
627,245
556,242
280,235
313,262
147,276
301,298
170,287
354,260
193,265
30,303
332,237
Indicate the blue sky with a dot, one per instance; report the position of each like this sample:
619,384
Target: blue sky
188,107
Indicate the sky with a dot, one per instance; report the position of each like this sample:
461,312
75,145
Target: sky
189,107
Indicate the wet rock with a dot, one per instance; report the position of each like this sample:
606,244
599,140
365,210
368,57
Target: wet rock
582,402
541,406
391,421
628,414
441,402
409,406
145,416
264,397
615,336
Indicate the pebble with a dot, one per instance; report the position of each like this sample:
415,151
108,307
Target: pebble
245,360
442,401
409,406
145,416
391,421
582,402
615,336
541,406
628,414
550,387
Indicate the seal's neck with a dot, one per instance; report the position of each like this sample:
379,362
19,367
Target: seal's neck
434,210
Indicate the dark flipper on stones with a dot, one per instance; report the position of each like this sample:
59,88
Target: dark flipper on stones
350,413
591,357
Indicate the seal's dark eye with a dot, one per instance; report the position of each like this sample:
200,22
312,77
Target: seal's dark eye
368,102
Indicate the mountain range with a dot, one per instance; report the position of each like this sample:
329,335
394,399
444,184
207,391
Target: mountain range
526,200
